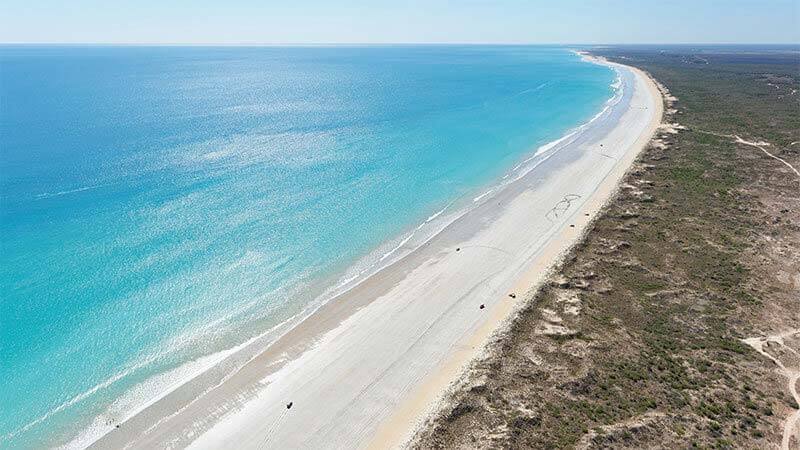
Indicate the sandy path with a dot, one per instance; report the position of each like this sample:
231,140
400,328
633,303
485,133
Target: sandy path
759,145
368,365
791,427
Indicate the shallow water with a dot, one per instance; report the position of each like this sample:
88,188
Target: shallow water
162,204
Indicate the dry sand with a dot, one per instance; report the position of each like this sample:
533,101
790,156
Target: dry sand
368,366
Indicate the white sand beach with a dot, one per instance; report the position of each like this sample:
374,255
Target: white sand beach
366,367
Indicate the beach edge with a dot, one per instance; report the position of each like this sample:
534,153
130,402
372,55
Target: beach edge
238,420
430,398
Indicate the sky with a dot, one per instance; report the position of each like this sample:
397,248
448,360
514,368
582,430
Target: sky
399,21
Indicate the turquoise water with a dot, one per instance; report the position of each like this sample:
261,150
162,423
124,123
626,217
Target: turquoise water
160,204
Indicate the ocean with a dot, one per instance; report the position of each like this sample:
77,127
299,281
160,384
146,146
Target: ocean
160,206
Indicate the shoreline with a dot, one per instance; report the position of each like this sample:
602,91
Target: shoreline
329,287
400,429
239,402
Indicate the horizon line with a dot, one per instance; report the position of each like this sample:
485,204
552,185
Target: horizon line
331,44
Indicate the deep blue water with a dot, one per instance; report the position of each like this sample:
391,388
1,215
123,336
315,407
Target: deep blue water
159,204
